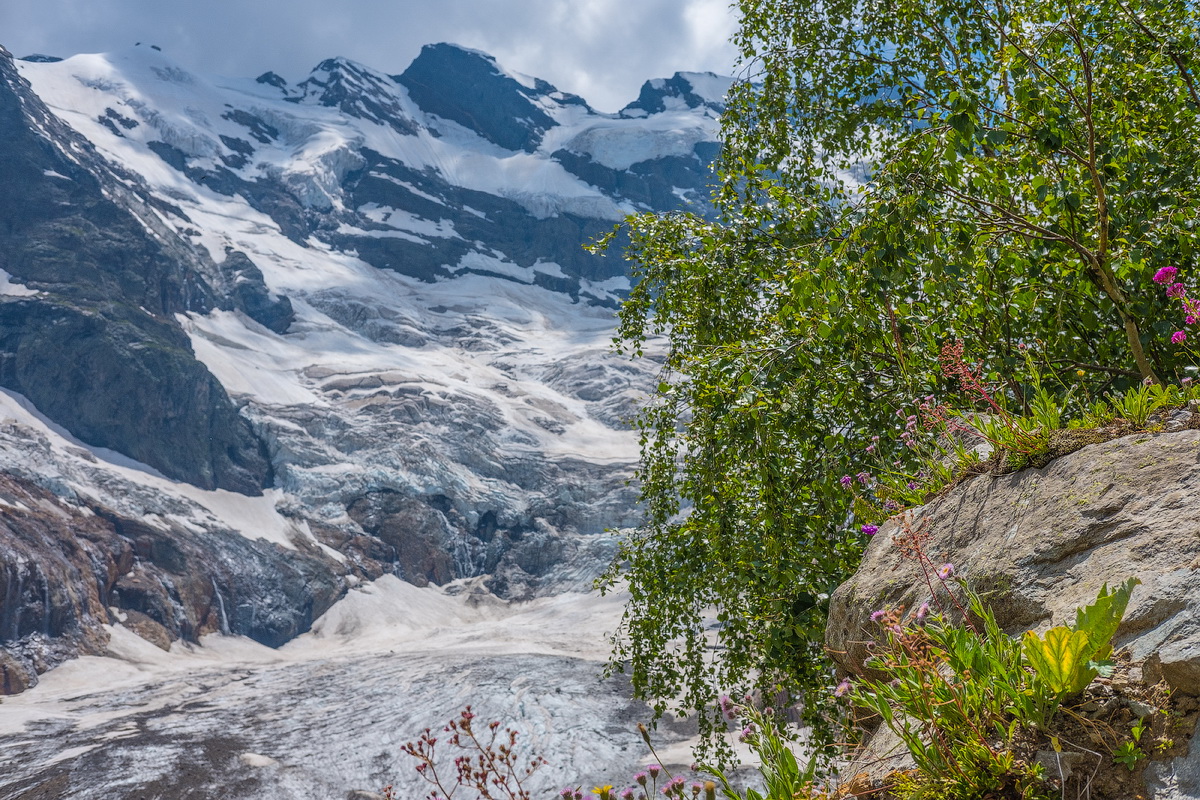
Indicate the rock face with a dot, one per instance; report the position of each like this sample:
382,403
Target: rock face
1041,542
488,100
94,344
68,568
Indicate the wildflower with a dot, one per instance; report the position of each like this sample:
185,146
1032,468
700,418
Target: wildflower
922,612
627,794
846,480
1176,290
875,439
877,615
870,448
1022,346
654,770
1185,381
1148,381
727,707
746,733
911,486
567,793
640,778
1178,337
870,530
1079,373
863,477
842,688
891,505
1189,320
946,572
603,792
1166,275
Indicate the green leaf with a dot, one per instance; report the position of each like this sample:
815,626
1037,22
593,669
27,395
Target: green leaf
1101,619
1060,659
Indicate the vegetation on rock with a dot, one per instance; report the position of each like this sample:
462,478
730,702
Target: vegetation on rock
1005,178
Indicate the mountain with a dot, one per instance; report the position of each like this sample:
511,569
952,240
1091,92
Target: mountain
267,347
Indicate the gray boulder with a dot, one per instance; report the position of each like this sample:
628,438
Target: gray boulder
1041,542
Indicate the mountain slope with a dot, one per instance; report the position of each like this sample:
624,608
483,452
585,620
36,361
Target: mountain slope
364,294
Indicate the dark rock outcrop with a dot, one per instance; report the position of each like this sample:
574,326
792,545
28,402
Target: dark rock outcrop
246,288
468,87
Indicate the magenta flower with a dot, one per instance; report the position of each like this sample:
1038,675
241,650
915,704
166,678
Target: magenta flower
1176,290
1178,337
654,769
863,477
877,615
1166,274
870,530
1190,320
846,480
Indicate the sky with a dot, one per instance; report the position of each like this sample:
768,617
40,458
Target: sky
602,50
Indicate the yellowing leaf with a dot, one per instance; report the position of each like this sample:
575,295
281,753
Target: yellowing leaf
1061,659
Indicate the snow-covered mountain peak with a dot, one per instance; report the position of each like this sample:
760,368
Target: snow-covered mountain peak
683,90
469,87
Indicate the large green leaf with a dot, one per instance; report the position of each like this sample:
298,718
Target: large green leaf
1060,659
1101,619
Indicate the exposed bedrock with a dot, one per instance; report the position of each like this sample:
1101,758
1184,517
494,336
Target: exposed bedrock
66,569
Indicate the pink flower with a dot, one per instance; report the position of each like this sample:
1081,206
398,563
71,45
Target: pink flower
1166,274
842,688
946,572
922,612
1178,337
877,615
1190,320
1176,290
870,530
846,480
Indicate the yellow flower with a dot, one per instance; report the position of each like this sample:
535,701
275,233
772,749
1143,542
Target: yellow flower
603,792
1080,373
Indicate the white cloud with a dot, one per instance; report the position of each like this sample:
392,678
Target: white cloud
600,49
